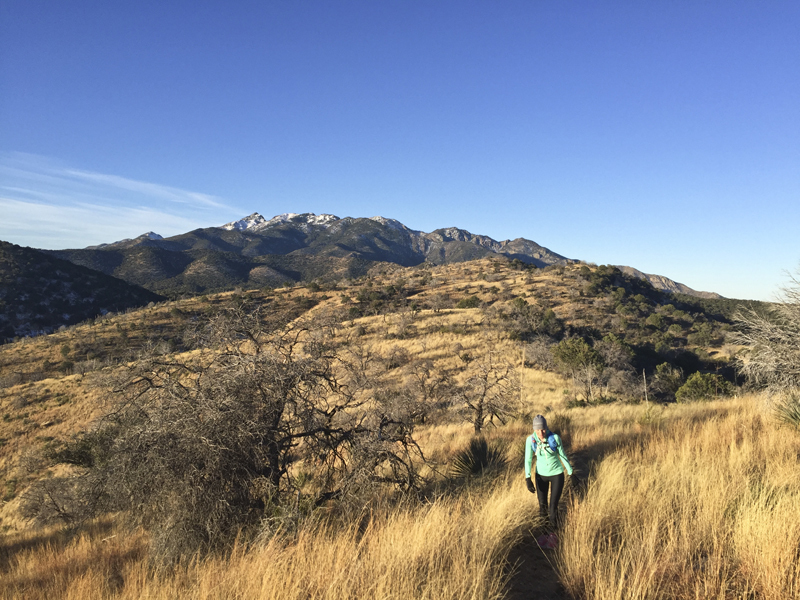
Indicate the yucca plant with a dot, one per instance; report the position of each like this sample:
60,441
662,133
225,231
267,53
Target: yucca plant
477,458
787,410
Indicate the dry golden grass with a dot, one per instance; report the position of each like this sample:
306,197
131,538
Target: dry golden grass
705,505
445,549
684,501
689,501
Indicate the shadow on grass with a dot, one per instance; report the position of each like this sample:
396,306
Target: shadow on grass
107,560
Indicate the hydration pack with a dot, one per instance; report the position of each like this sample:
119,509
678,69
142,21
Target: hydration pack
551,440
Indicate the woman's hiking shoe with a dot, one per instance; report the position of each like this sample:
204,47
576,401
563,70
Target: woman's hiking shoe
548,541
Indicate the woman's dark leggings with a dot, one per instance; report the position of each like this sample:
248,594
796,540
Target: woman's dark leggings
542,483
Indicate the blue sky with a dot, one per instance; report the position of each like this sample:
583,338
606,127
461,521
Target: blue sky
664,135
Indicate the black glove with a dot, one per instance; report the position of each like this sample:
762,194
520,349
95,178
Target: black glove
531,487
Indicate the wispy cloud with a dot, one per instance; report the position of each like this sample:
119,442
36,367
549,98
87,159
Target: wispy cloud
46,204
152,190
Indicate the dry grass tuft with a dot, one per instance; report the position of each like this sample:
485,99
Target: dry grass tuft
452,548
707,506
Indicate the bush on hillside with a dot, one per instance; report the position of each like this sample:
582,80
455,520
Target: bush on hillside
703,386
576,358
469,302
199,452
667,381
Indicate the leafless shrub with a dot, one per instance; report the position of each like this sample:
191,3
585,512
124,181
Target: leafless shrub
198,451
396,357
539,354
489,392
439,301
20,401
431,386
772,335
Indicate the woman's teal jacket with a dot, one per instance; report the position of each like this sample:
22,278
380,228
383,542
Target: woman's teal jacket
547,461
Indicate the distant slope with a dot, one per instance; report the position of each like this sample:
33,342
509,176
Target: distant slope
40,292
668,285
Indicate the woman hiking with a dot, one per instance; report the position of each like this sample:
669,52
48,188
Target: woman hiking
550,462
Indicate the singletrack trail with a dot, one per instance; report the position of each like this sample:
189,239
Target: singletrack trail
534,576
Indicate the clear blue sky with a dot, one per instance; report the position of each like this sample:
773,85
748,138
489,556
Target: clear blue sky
664,135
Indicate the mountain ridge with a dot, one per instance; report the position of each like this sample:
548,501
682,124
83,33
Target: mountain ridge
290,247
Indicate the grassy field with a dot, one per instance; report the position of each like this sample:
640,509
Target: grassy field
689,501
706,506
697,500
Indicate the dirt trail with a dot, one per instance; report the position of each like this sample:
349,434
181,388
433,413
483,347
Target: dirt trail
534,576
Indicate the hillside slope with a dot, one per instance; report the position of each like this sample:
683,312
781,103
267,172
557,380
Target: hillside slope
39,292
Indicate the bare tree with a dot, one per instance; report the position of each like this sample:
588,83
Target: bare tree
438,301
489,391
430,385
199,449
539,354
772,335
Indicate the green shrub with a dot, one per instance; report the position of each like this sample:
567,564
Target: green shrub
469,302
655,320
66,366
702,386
675,329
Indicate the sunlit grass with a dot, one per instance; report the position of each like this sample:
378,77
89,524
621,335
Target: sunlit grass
705,506
690,501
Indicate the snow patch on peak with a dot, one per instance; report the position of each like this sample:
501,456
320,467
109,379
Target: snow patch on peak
256,222
307,218
250,222
150,235
282,218
394,223
323,219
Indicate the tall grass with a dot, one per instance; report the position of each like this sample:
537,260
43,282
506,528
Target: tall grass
700,509
449,549
690,501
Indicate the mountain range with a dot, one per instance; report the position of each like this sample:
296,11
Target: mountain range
259,252
254,251
41,290
291,247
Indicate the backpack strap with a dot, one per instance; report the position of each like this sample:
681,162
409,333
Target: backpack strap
551,441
